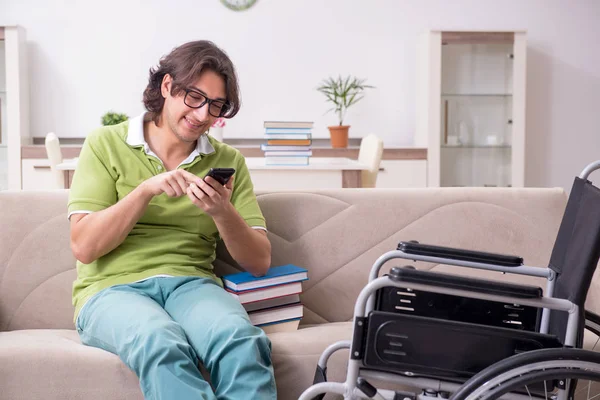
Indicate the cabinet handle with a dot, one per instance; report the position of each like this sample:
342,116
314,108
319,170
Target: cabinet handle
41,167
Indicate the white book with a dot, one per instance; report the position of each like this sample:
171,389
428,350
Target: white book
288,273
285,326
271,315
270,303
280,153
273,147
288,124
294,136
267,293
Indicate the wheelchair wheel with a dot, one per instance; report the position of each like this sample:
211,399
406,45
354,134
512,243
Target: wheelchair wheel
535,374
592,322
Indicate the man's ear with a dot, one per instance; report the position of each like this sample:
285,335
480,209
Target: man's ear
165,86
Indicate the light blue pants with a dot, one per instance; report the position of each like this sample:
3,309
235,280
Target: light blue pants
161,328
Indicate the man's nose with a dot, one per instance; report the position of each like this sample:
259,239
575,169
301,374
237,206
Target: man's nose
202,113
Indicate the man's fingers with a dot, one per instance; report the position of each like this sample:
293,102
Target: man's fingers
166,187
188,176
182,183
192,196
179,191
229,185
208,188
196,191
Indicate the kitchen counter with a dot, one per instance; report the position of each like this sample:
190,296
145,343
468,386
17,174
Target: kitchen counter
322,150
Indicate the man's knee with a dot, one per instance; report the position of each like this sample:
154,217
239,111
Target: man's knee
236,330
157,343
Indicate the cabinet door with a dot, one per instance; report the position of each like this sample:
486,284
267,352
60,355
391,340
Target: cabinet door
402,174
37,175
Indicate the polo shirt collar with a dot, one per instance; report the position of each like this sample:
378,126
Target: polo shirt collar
135,138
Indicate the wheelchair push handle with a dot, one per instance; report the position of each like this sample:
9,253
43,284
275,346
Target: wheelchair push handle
589,169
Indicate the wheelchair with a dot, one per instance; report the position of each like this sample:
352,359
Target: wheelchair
447,336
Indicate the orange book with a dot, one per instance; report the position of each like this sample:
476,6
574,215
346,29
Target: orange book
289,142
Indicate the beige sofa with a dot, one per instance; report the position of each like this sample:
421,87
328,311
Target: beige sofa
336,234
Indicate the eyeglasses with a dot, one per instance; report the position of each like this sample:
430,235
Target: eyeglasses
195,99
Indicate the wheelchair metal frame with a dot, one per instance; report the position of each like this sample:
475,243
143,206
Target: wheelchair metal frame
366,301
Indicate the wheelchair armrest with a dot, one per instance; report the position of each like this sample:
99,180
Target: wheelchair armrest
414,247
465,283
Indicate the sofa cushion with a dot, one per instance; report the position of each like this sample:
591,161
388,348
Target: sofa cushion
295,356
53,364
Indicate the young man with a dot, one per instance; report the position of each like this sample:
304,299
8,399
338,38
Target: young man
144,227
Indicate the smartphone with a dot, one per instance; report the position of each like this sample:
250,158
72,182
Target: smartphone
221,175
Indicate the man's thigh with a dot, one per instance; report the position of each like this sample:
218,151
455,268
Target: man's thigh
114,317
199,304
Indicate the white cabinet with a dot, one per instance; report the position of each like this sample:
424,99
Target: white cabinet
36,175
471,107
15,113
402,174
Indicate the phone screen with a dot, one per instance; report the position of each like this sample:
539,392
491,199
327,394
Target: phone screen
221,175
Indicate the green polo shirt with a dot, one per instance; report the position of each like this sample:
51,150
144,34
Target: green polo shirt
173,237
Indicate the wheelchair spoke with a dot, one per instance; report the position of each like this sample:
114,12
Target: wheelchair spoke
589,385
593,397
545,390
528,392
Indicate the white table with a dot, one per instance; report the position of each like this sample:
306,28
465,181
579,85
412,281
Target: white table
322,172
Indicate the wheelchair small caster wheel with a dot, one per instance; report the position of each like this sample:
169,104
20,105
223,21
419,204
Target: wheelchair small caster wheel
430,393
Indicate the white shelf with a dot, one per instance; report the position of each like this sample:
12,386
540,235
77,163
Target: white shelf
476,95
482,146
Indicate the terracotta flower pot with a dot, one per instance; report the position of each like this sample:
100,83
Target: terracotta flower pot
339,135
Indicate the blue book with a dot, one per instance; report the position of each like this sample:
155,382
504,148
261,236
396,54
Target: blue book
275,276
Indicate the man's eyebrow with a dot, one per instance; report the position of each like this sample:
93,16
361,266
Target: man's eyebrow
204,94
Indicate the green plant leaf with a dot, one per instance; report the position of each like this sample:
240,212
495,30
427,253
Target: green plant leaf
113,118
343,92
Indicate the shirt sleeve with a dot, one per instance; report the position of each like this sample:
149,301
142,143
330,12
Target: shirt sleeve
243,197
94,182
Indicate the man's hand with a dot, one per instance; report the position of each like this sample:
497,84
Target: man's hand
174,183
211,196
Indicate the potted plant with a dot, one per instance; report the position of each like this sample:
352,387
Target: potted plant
113,118
343,93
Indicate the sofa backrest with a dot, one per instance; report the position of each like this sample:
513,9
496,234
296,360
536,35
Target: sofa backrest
337,234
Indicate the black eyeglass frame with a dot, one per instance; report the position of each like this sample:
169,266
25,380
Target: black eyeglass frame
208,101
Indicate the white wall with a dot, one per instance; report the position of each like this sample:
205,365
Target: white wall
2,98
88,57
3,149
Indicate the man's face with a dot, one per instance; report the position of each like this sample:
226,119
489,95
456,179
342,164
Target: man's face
188,123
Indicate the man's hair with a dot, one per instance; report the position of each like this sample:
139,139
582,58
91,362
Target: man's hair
185,64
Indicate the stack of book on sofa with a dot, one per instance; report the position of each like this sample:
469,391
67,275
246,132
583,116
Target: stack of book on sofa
273,300
288,143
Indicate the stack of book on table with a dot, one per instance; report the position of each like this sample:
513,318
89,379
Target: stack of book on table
273,300
288,143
